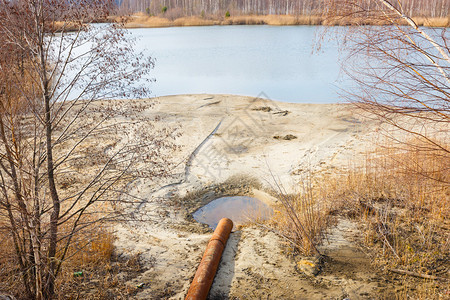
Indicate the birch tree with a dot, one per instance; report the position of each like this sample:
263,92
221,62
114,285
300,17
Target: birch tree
416,8
401,72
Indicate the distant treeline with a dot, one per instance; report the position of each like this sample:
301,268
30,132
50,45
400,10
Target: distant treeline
205,8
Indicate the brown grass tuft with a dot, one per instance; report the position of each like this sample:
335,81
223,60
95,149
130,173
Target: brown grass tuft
302,218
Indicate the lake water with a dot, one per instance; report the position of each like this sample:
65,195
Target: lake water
278,61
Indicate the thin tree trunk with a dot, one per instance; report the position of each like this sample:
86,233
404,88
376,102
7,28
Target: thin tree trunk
50,290
53,232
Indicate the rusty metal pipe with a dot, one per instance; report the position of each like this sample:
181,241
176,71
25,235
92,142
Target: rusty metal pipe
206,271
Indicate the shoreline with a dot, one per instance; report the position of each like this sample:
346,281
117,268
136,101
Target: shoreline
255,98
141,20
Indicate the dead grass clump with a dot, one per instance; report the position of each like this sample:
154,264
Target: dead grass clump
350,21
66,26
143,20
302,218
411,210
280,20
274,20
400,196
354,21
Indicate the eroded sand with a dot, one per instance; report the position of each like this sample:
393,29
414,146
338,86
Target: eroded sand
224,135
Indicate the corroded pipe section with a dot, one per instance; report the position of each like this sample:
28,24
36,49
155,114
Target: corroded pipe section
206,271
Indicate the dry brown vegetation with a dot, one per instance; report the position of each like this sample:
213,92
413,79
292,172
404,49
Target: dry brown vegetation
104,274
94,271
91,271
432,22
142,20
400,197
302,218
352,20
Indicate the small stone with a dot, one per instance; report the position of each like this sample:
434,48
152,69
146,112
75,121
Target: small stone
289,137
308,267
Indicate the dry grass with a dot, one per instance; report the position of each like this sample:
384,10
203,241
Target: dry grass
401,195
349,21
144,22
93,271
141,20
65,26
302,218
404,197
91,253
10,279
192,21
433,22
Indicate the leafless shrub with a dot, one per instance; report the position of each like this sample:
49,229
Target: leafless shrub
400,71
50,118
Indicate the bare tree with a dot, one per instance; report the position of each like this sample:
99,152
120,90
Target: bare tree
401,71
55,67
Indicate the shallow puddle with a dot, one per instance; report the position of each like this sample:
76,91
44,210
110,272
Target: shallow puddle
240,209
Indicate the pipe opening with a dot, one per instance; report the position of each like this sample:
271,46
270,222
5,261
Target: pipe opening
240,209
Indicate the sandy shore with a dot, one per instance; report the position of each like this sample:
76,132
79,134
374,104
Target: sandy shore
247,138
225,136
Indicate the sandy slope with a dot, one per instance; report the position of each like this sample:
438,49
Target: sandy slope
224,135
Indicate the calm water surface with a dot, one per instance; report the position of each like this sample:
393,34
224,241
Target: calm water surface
240,209
243,60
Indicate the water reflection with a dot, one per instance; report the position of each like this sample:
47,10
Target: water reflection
240,209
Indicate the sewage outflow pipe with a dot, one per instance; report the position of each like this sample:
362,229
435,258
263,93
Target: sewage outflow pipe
206,271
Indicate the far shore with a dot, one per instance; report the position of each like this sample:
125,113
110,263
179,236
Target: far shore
142,20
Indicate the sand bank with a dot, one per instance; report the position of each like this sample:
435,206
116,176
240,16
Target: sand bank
225,136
